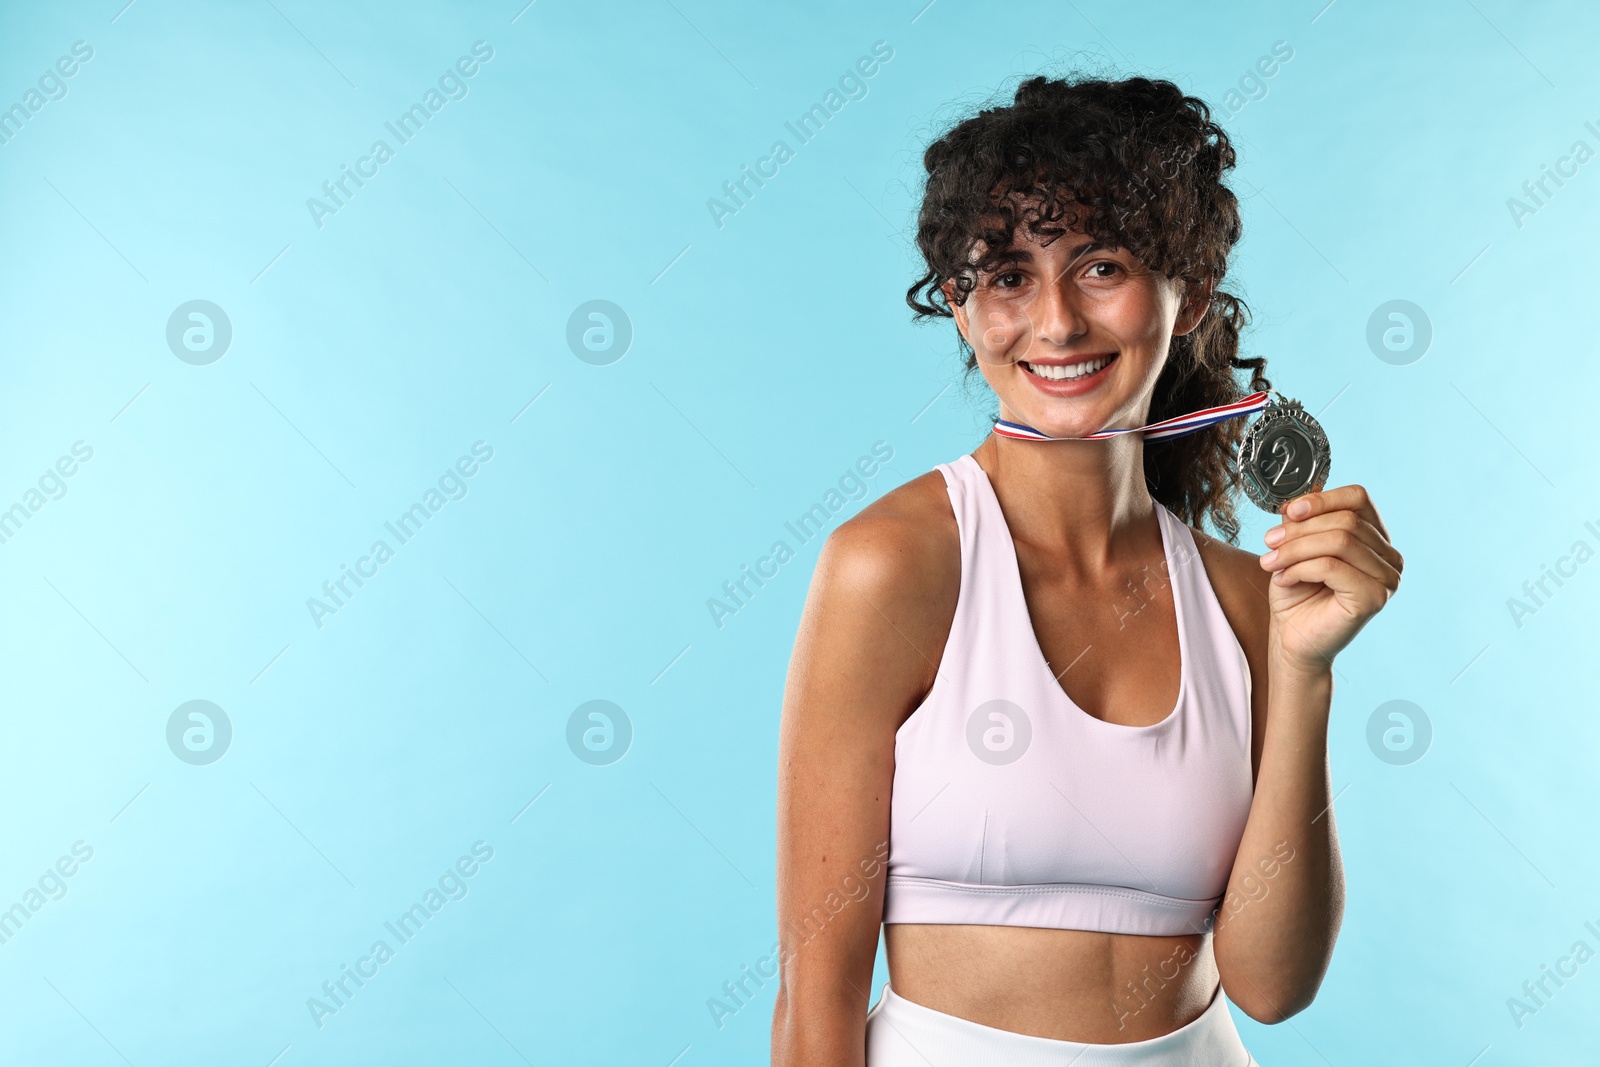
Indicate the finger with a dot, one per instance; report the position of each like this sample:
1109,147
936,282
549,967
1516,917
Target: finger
1341,577
1337,520
1336,544
1351,497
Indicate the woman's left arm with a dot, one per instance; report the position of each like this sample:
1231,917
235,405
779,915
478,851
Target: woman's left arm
1333,569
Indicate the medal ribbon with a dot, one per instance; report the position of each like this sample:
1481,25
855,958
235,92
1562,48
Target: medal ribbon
1164,430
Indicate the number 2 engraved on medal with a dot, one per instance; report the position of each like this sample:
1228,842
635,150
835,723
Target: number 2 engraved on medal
1282,449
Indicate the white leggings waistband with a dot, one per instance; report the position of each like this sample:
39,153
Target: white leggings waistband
903,1034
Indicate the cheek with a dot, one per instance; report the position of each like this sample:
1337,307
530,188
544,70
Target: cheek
998,335
1000,379
1139,320
998,326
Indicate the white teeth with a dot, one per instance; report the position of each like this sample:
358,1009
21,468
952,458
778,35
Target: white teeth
1069,370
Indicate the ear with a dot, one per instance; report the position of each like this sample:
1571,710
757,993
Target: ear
959,310
1196,302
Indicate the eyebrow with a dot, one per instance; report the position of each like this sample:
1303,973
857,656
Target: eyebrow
1022,255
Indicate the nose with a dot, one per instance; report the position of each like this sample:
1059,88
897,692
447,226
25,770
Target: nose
1057,318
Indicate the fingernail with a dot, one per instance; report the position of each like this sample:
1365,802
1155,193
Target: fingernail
1299,509
1273,536
1269,557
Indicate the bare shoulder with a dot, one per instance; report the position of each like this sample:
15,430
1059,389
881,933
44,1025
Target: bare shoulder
902,552
1236,575
886,585
905,538
1241,586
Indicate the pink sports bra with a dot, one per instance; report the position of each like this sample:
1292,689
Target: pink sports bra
1012,806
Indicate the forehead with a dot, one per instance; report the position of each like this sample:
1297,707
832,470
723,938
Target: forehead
1028,247
1059,220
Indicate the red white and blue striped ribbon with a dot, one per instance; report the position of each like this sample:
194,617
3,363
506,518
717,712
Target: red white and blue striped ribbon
1158,431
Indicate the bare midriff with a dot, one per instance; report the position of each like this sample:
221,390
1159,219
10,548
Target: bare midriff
1070,985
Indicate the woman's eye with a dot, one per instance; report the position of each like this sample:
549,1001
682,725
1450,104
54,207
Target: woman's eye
1000,280
1114,268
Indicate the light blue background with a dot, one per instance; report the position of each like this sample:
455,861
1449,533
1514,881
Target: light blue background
769,354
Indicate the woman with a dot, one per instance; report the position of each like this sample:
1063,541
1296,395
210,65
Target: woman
1068,749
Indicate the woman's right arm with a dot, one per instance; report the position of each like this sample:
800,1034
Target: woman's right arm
874,626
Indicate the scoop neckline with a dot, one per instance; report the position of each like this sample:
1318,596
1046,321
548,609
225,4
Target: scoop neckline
1178,605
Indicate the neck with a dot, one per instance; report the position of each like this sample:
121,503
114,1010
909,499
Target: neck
1086,500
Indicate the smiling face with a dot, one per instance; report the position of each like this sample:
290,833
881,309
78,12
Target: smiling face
1072,335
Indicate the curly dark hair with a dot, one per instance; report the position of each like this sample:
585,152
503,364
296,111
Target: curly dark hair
1137,164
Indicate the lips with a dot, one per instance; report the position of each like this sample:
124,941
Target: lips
1080,375
1065,372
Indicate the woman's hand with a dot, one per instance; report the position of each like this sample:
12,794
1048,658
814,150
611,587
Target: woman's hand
1333,569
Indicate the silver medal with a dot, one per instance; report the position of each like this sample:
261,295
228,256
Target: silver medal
1284,454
